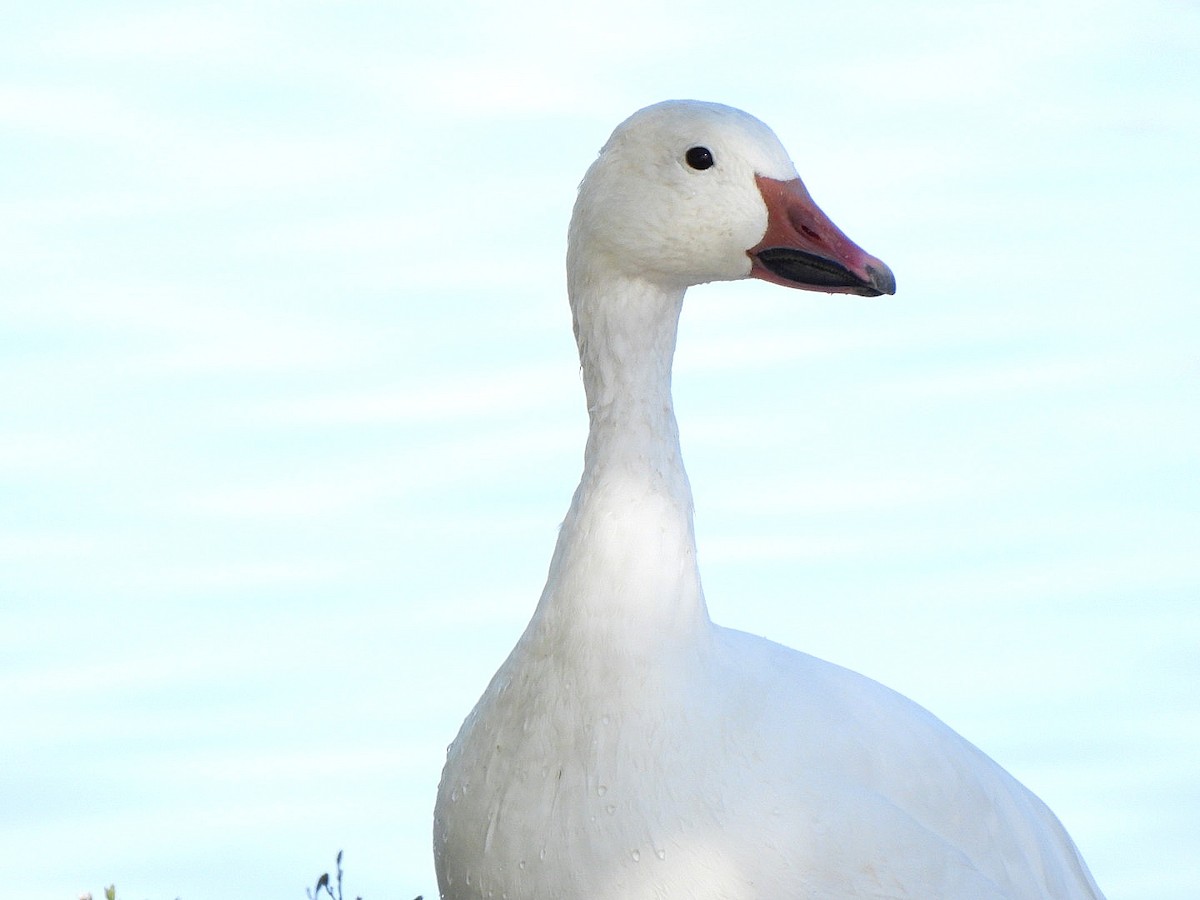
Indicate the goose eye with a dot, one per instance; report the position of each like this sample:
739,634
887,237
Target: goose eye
699,158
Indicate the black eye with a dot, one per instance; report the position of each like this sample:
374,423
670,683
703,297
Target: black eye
699,158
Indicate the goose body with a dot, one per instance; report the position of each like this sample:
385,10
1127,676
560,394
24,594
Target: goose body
631,749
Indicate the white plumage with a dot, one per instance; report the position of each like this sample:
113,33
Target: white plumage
629,748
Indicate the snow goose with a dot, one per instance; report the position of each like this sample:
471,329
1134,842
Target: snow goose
629,748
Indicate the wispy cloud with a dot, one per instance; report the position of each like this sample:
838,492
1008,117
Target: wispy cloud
208,34
1005,377
478,397
363,483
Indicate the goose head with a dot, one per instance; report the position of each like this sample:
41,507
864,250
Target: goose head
686,192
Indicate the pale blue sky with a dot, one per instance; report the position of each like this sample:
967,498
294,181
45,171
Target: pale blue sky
289,406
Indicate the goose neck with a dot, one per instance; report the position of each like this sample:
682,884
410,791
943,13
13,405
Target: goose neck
626,332
624,573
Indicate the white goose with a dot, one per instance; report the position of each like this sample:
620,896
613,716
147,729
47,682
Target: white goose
629,748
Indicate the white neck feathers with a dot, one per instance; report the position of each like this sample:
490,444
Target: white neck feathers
624,573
